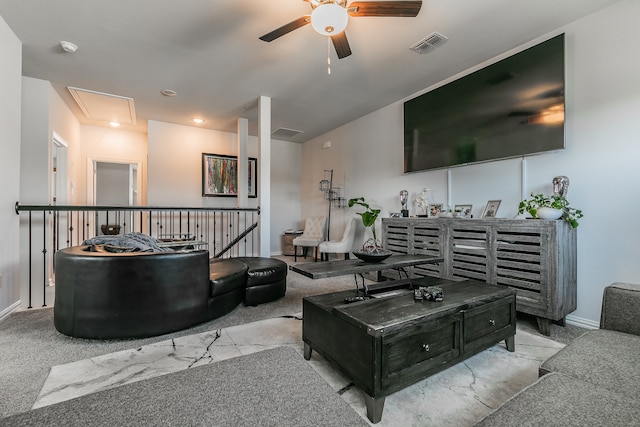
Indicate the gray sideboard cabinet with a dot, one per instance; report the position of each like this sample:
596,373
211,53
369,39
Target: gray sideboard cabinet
537,258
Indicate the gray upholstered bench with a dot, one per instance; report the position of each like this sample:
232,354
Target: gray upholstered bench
560,400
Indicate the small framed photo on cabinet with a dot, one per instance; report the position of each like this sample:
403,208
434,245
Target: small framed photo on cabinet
435,209
491,209
462,211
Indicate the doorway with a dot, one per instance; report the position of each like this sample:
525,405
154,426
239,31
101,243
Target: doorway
113,183
58,195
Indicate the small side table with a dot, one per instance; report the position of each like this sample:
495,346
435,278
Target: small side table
287,243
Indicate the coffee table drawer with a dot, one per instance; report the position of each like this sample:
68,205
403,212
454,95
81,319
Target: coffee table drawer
421,347
487,320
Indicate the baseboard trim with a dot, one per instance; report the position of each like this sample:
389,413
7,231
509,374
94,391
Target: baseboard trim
7,311
582,322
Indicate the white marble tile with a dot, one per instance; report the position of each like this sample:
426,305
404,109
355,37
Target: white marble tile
101,372
458,396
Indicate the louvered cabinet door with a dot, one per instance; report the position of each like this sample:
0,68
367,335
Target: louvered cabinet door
469,250
538,259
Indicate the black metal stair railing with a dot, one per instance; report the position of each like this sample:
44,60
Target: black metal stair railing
225,232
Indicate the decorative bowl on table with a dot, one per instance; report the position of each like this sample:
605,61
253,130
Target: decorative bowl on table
376,256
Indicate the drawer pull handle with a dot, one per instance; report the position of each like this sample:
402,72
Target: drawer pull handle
425,347
493,322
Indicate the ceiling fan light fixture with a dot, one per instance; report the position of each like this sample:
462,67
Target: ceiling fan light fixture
329,19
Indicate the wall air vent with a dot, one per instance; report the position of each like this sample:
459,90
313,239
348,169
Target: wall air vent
285,133
430,42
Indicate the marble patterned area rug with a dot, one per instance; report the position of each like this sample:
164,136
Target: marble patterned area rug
458,396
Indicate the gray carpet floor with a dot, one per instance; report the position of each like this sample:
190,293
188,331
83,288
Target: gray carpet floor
273,387
30,345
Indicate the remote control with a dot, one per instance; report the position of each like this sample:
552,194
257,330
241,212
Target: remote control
354,299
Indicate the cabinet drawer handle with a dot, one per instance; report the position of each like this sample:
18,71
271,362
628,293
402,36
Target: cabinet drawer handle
493,322
425,347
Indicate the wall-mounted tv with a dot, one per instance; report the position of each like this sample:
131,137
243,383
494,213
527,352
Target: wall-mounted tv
512,108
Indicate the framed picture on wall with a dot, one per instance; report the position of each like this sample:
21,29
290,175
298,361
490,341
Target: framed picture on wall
220,176
491,209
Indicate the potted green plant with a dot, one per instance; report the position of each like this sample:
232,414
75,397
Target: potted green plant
369,217
539,206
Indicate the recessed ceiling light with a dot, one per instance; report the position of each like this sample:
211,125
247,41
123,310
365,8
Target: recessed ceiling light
114,124
198,120
68,47
168,92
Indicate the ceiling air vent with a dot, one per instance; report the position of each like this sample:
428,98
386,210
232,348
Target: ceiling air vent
432,41
285,133
104,106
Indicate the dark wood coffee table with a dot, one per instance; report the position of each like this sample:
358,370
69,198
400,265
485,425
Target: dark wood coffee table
390,340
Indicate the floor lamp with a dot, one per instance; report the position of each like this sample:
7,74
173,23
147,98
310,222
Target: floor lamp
332,194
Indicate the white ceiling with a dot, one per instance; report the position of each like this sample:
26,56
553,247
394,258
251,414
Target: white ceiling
208,51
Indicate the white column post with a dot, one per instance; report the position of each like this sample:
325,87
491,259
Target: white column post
449,189
523,178
264,168
243,162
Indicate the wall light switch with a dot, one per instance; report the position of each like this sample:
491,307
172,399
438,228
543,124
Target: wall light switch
326,144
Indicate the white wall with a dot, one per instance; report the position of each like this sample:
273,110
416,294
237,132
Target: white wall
601,157
175,164
114,146
66,125
285,190
43,113
10,86
175,172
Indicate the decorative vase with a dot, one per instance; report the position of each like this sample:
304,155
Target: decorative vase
549,213
372,246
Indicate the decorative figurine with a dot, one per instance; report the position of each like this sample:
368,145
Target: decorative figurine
433,293
429,293
560,186
404,197
422,201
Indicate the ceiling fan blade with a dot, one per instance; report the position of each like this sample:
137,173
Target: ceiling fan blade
341,44
285,29
385,8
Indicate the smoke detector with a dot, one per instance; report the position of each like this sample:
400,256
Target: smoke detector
168,92
68,47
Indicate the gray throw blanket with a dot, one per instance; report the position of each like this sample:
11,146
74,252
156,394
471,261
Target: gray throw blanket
127,243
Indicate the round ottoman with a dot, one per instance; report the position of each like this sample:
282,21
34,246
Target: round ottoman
266,279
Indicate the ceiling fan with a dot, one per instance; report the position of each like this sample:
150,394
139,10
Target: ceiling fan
330,18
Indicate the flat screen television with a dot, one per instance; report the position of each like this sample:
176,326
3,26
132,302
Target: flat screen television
512,108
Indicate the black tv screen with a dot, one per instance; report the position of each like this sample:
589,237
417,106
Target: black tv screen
511,108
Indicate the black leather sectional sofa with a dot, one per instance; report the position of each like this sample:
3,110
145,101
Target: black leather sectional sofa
107,295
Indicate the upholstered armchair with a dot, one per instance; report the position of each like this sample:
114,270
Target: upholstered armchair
312,236
344,246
